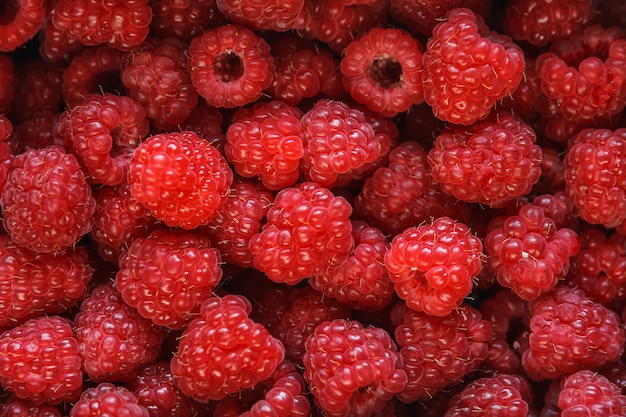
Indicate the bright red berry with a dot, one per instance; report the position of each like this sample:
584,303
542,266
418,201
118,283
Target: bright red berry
276,15
15,407
21,20
106,399
587,392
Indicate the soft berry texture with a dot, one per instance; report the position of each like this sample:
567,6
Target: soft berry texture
21,20
230,66
491,162
589,393
185,19
106,399
308,231
265,141
57,44
364,373
36,284
223,351
339,143
382,69
432,265
182,179
40,362
15,407
467,68
46,202
438,351
594,176
114,340
167,275
276,15
568,333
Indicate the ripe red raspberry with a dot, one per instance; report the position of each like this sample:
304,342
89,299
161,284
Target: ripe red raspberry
382,69
106,399
585,75
182,179
568,333
114,340
491,162
38,88
184,19
35,284
121,25
438,351
57,44
46,202
39,361
308,231
364,373
279,16
15,407
587,392
362,282
468,69
223,351
156,75
6,154
21,20
167,275
265,141
528,252
7,80
432,265
230,66
206,121
104,130
339,143
594,176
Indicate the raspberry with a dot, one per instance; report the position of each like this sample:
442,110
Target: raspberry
57,44
106,399
156,75
121,25
182,179
265,141
14,407
35,284
7,80
223,351
559,207
363,281
46,202
21,19
230,66
468,69
383,70
528,252
206,122
568,333
39,361
6,156
491,162
308,232
185,19
34,133
38,88
584,74
167,275
432,265
104,130
593,175
339,143
364,373
587,392
279,16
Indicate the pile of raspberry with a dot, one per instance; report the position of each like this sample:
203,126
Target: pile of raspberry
301,208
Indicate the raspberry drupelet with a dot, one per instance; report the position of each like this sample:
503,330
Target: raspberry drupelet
230,66
108,399
587,392
20,21
382,69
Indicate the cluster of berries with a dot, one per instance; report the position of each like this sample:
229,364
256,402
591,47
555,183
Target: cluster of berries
299,208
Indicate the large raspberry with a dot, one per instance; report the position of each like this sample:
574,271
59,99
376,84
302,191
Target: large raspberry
467,68
108,400
182,179
364,373
20,21
46,202
433,265
223,351
589,393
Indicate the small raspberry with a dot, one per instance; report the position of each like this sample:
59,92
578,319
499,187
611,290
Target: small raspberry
39,361
223,351
308,232
15,407
491,162
167,275
438,351
185,19
265,141
7,80
106,399
587,392
230,66
364,373
568,333
276,15
21,20
468,69
432,265
38,88
182,179
382,69
46,202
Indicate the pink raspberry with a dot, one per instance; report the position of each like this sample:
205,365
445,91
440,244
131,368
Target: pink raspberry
21,20
108,399
587,392
275,15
